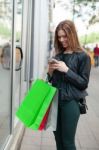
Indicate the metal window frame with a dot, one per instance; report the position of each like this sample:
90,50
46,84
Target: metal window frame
13,46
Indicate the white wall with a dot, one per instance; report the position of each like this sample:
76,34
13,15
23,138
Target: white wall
40,37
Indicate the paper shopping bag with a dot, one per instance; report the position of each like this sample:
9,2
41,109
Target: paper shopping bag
47,122
40,93
51,123
43,123
49,98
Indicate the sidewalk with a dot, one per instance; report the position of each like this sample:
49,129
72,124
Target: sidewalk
87,137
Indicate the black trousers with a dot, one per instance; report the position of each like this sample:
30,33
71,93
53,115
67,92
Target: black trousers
96,61
68,115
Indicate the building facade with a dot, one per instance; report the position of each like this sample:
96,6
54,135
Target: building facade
24,44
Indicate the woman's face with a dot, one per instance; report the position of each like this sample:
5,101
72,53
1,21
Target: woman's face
62,38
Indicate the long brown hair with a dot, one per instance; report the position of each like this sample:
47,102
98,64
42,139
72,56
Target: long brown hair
69,28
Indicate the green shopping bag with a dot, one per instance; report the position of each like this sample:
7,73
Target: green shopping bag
36,102
43,109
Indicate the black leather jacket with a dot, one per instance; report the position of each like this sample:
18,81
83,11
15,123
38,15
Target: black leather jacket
73,84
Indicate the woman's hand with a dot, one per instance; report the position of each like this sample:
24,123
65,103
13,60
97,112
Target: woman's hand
60,66
50,69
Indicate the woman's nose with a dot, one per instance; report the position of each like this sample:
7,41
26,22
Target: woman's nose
61,39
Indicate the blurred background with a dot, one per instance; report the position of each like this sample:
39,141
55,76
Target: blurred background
26,42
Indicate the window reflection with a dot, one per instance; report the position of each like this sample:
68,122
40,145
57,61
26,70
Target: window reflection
19,22
18,55
19,58
5,56
5,72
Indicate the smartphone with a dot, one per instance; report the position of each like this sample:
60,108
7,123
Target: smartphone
53,61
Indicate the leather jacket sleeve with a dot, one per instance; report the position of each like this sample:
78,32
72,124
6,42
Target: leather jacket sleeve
80,80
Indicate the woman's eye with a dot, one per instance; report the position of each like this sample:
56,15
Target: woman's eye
62,37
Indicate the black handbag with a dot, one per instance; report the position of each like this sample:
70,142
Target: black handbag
83,106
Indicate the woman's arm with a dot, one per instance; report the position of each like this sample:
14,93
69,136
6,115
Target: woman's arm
80,80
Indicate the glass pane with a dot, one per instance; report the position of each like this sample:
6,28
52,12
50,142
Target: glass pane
5,68
19,54
19,22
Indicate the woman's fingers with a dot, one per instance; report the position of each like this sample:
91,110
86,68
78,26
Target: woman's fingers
61,66
54,66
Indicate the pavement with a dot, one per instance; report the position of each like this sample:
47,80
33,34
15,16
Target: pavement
87,135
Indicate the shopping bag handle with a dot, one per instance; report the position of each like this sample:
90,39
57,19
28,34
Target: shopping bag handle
45,79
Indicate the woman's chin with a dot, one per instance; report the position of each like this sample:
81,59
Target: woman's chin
65,46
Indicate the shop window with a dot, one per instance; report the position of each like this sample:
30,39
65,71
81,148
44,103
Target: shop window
18,55
5,70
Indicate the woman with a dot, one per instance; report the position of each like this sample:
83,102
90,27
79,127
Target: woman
70,74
